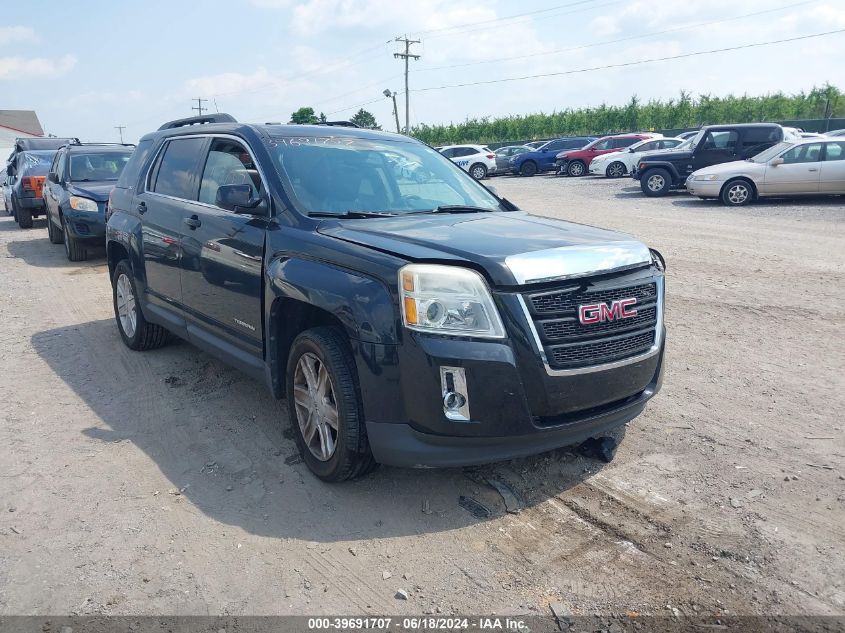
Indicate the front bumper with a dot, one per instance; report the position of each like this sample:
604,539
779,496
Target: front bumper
518,406
597,169
86,226
704,188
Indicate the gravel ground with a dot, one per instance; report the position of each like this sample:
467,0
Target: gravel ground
160,482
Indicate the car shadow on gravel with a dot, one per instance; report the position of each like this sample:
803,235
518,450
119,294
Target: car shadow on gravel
38,252
225,446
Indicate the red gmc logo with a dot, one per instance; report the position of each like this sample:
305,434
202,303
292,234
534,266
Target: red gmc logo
599,312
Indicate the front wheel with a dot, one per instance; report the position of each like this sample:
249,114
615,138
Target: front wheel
324,408
528,168
616,169
576,168
737,193
74,250
478,171
656,182
134,329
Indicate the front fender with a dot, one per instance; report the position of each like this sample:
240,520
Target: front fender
657,164
125,230
363,304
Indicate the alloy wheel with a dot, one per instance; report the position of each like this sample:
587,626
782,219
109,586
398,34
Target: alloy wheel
738,194
576,169
616,170
316,406
656,182
126,309
478,173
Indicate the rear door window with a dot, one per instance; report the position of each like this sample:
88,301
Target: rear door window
835,151
177,170
621,143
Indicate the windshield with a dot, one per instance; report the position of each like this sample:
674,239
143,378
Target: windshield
768,154
345,175
97,166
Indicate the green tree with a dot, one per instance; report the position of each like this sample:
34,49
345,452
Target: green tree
365,119
304,116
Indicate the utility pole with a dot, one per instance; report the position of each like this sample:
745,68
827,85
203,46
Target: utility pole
406,56
392,95
120,129
199,107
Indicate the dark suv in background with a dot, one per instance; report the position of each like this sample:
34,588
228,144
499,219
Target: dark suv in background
76,194
409,321
660,173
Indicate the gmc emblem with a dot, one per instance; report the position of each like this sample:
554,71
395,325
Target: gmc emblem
600,312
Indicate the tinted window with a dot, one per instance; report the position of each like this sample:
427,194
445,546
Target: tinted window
810,153
574,144
624,142
669,143
465,151
719,140
448,153
176,171
228,163
97,166
129,177
649,147
555,146
835,151
757,135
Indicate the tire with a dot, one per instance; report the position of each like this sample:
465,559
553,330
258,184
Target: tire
332,454
14,205
74,250
138,335
576,168
528,169
656,183
478,171
616,169
55,235
737,193
24,217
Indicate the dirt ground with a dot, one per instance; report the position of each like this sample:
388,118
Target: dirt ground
159,482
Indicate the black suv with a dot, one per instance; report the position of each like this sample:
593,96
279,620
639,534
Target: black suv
659,173
76,194
413,322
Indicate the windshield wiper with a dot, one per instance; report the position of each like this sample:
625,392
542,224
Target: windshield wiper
459,208
351,214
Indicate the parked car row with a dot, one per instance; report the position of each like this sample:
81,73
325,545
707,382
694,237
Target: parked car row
68,182
337,266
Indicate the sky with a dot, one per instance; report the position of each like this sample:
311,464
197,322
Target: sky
86,67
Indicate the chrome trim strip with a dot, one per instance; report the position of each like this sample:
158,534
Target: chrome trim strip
658,341
568,262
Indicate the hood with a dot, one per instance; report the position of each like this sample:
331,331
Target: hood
97,191
667,155
733,168
513,248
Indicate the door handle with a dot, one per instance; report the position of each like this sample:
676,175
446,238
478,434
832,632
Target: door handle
813,169
142,207
193,222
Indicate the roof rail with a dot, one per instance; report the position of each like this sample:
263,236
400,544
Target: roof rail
197,120
76,143
339,123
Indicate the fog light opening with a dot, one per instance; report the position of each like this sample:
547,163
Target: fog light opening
453,387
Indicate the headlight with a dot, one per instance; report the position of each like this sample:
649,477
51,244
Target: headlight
83,204
448,300
706,177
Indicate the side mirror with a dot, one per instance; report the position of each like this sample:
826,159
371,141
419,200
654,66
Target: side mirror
237,198
53,177
776,161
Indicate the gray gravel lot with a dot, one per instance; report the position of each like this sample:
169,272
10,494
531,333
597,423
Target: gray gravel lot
158,482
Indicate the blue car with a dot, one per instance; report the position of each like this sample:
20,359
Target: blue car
543,159
77,192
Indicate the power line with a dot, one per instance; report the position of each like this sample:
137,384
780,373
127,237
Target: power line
634,63
199,107
616,41
407,55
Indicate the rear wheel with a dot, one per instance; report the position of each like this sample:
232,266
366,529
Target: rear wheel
528,168
324,408
576,168
478,171
737,193
74,250
615,170
24,217
656,182
134,329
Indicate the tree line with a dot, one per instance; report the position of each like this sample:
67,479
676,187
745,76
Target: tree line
684,112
